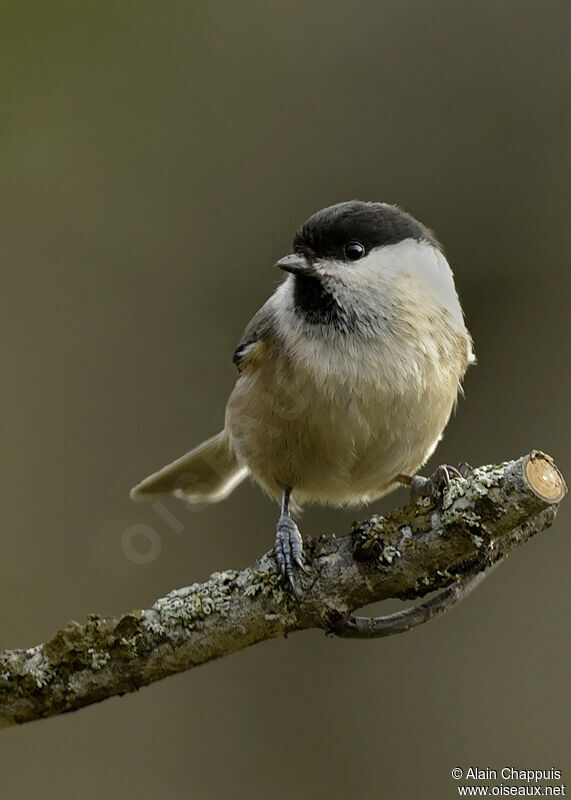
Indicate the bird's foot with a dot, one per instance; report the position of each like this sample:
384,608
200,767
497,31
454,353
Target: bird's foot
435,485
288,550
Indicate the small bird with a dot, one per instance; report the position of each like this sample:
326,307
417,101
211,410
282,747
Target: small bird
348,374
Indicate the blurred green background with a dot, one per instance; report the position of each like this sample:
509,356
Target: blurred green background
156,160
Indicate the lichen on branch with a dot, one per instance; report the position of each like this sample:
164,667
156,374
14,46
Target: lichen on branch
416,549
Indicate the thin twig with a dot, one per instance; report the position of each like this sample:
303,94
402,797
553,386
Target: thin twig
402,621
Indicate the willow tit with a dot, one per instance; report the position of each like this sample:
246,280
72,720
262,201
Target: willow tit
348,374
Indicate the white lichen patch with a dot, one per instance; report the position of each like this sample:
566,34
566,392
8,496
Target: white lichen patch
128,641
98,658
37,666
457,514
266,583
44,676
389,553
187,607
375,524
444,573
462,494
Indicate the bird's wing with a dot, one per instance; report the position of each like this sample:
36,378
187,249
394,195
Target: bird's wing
253,339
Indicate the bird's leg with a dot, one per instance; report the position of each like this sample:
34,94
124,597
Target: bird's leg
434,486
288,547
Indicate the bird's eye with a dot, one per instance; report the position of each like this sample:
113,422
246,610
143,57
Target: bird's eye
354,251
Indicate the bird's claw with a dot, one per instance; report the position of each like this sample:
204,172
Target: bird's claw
435,485
288,550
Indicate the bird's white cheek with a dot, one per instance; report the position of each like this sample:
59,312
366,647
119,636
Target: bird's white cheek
381,270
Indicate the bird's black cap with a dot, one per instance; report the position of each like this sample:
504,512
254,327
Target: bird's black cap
327,232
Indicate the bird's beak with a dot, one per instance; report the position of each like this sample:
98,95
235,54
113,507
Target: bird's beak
296,263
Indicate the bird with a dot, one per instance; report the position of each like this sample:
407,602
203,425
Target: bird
347,375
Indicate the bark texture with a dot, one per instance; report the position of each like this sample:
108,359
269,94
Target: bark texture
406,554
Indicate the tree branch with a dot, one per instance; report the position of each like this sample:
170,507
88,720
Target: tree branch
409,553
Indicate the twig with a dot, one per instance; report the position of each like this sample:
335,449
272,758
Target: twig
402,621
409,553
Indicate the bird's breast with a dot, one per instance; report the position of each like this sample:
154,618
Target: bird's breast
337,418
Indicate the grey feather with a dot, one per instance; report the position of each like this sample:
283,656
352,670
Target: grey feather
206,474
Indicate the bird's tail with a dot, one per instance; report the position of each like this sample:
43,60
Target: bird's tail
205,475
